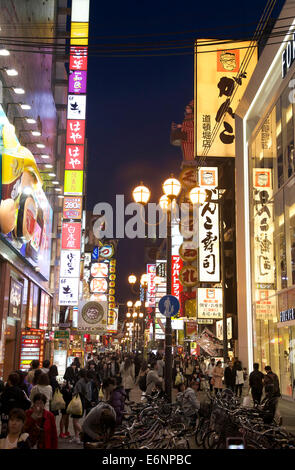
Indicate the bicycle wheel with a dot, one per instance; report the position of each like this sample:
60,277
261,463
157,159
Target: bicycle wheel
212,440
200,433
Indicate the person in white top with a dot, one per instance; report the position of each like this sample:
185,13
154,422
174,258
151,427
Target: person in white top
43,387
239,378
209,372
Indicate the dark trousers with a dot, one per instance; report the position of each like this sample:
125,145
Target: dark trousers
239,389
256,395
127,391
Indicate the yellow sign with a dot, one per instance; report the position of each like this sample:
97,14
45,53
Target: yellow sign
219,86
79,34
73,182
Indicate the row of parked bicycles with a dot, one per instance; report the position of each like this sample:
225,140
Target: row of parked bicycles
157,424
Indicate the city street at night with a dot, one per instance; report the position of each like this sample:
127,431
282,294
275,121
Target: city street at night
147,231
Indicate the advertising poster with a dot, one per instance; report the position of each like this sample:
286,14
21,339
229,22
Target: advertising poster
72,208
15,299
25,214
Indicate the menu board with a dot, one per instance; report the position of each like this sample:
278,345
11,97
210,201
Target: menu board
32,347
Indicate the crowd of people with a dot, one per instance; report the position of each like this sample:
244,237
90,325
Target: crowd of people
31,401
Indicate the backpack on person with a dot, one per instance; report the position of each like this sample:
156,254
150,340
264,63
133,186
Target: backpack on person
142,383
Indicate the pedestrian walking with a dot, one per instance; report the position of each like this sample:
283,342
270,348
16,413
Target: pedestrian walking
52,374
161,365
127,371
230,377
188,370
239,378
117,400
152,379
82,390
256,383
45,366
12,397
209,373
43,387
34,366
217,376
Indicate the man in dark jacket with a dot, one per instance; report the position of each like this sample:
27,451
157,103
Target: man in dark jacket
230,376
271,379
256,383
117,400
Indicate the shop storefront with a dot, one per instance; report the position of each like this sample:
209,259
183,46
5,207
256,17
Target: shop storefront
266,212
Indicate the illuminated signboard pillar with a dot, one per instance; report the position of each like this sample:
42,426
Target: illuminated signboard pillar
74,159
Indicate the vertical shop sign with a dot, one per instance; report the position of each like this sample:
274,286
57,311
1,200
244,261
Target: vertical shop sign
32,347
209,262
177,265
151,289
263,226
75,148
210,303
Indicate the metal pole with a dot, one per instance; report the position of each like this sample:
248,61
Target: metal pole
168,328
224,317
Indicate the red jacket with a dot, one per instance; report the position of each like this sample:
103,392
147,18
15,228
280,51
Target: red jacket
49,440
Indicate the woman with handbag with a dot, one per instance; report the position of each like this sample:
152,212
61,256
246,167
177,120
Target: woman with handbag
81,390
52,374
42,387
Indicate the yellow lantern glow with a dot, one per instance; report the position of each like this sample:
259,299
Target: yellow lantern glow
132,279
141,194
171,187
197,195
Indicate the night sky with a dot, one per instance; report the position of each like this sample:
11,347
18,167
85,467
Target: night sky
132,101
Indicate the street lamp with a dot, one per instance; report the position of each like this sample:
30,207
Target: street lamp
132,279
171,189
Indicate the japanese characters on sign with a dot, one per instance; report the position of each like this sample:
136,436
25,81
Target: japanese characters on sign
77,81
263,226
68,291
112,325
71,236
220,84
70,263
75,132
188,251
219,328
210,303
151,288
15,299
188,276
177,265
72,208
73,184
265,304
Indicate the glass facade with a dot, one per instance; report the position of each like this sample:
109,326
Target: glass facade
272,230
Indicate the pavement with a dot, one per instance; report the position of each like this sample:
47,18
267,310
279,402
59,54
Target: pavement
286,409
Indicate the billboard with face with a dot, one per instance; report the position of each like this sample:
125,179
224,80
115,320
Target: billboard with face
25,214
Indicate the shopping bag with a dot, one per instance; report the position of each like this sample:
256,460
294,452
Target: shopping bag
75,406
247,402
100,394
57,402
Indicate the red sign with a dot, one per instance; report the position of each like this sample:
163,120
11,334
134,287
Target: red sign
32,347
151,290
78,58
71,236
177,265
75,131
74,157
72,207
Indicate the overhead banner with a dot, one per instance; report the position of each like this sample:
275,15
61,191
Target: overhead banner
210,303
221,79
263,226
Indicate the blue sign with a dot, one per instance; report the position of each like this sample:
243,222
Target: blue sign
95,253
169,306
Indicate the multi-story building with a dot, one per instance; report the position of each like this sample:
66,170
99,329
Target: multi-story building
33,80
265,202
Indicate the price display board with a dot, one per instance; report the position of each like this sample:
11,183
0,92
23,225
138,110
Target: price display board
32,347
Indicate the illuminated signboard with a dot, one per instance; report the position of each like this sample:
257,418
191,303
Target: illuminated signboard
265,304
15,299
177,265
73,182
72,208
263,226
75,134
32,347
219,90
71,236
99,270
68,291
70,263
210,303
209,258
44,311
151,288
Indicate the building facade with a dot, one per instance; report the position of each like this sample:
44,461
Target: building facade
265,202
32,128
